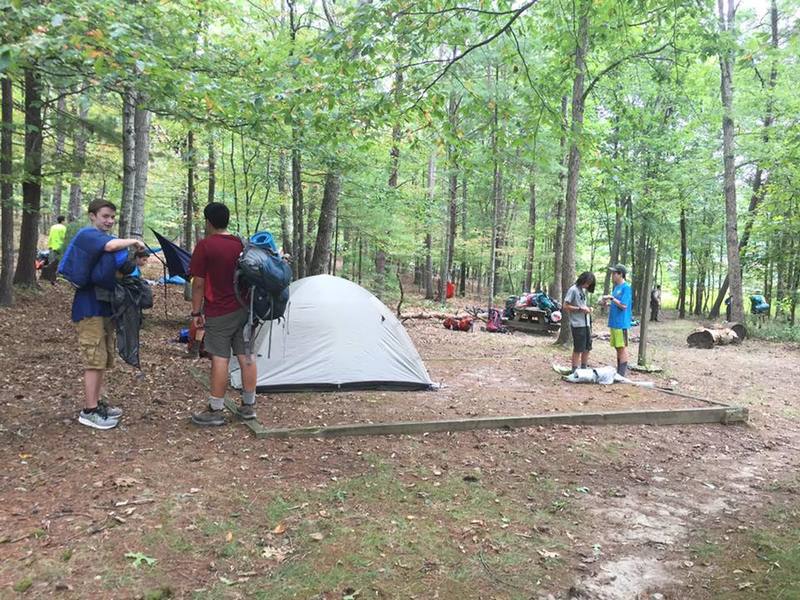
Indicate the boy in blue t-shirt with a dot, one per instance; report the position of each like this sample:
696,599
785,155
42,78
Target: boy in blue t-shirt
90,315
620,313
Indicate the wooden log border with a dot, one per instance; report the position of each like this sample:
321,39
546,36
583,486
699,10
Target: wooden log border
718,413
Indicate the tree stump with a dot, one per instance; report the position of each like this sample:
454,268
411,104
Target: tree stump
705,338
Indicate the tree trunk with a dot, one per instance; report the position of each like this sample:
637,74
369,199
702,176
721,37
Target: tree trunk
558,239
6,194
142,118
758,189
644,328
726,59
397,132
128,161
452,194
189,203
530,256
574,164
327,212
619,202
61,139
462,284
380,272
309,220
428,275
298,231
32,184
78,160
682,282
212,170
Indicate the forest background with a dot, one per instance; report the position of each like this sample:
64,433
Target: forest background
504,145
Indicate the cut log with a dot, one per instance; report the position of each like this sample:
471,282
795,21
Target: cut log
708,338
739,329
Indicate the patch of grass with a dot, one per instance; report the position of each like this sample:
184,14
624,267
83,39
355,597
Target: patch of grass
23,585
770,560
406,535
773,330
66,555
705,550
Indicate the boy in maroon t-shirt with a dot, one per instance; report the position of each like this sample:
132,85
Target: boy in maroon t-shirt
215,308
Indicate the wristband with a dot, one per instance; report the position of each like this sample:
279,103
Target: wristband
196,314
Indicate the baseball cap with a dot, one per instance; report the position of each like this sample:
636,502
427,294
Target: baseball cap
619,268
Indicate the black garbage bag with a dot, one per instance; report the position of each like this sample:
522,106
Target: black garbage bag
128,297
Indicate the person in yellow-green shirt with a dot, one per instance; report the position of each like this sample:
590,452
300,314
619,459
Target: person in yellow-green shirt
56,239
55,245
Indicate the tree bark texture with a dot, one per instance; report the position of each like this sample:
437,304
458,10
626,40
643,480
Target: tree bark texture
142,118
327,213
6,194
78,161
212,170
61,139
32,184
558,237
452,204
189,201
298,231
128,161
574,164
726,60
682,282
758,187
530,256
428,274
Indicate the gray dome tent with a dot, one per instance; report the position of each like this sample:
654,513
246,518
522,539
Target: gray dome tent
335,335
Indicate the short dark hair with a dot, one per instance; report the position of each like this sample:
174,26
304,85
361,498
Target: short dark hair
96,205
141,253
586,278
217,214
60,219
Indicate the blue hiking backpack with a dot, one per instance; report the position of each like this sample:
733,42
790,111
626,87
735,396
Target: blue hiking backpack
83,268
261,269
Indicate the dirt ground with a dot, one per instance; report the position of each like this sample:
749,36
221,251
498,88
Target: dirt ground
158,508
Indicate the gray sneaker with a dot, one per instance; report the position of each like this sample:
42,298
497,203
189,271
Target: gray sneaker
97,420
112,412
247,411
209,418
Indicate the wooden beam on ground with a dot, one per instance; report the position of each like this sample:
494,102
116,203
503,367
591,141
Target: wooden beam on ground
719,413
684,416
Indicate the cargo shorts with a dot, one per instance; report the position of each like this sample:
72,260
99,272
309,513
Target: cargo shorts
225,334
97,342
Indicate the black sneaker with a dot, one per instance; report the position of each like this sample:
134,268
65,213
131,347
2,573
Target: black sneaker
209,418
247,411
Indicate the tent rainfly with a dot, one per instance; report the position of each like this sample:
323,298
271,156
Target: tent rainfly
335,335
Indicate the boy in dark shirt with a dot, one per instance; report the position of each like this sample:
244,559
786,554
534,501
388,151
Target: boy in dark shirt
216,308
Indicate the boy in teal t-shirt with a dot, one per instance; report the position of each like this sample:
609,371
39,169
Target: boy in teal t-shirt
620,301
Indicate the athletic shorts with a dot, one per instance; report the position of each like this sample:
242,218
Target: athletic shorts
581,339
225,334
619,338
96,342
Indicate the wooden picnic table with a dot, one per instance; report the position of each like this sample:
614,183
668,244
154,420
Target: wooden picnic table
532,319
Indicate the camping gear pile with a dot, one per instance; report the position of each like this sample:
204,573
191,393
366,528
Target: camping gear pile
550,306
459,323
